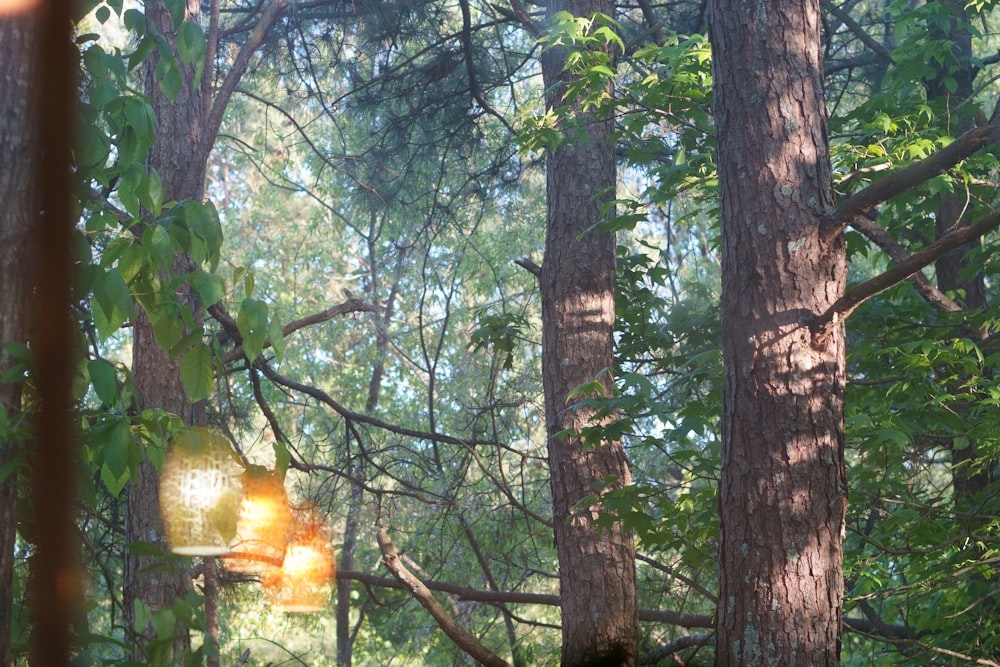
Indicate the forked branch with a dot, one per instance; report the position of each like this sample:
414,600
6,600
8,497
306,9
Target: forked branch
846,304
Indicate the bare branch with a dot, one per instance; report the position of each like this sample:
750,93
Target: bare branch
211,128
903,270
512,597
230,331
898,254
417,589
857,30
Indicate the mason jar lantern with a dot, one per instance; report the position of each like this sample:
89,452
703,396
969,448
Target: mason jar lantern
200,493
263,525
303,582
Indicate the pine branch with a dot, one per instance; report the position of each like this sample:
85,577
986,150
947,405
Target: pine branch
880,237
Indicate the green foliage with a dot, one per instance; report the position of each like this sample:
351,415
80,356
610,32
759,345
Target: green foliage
408,196
499,333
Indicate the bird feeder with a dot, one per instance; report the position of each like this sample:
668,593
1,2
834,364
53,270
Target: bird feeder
302,583
200,493
263,525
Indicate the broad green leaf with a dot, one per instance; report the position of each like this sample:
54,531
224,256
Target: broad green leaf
157,242
115,449
146,44
135,21
282,460
276,336
168,329
114,300
190,43
104,379
168,75
197,372
210,287
252,322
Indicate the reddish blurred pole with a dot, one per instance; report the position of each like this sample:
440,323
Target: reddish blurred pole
55,581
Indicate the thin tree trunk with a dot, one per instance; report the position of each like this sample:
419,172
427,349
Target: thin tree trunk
782,493
17,151
597,577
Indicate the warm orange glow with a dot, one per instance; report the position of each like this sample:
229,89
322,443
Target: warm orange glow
10,7
264,524
303,582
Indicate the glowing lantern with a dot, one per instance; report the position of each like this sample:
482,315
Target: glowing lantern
302,583
200,493
263,525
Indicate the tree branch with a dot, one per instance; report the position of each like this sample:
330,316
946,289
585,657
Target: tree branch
512,597
231,331
417,589
898,254
846,304
857,30
911,175
211,128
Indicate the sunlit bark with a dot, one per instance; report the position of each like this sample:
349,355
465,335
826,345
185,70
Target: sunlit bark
597,577
782,489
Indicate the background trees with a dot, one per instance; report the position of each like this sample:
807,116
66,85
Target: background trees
374,317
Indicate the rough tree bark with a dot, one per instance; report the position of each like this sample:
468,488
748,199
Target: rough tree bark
782,493
597,579
17,150
157,375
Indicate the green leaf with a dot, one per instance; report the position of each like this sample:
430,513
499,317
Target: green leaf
115,449
114,301
168,75
139,115
277,338
252,322
168,329
104,379
151,193
164,622
102,14
210,287
282,460
176,9
145,45
135,21
190,43
197,372
157,242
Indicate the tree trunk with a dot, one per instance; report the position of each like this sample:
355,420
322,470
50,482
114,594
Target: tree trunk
597,577
17,150
157,376
952,270
782,493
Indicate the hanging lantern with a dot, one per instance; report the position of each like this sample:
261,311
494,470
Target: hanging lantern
263,524
199,493
302,583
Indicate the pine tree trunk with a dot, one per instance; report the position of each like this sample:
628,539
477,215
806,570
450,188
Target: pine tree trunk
17,148
597,577
157,376
782,491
